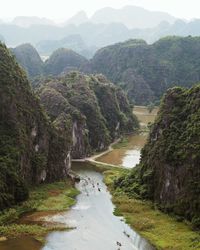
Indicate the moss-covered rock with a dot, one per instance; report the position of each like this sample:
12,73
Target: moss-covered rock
169,171
147,71
28,142
171,155
28,57
63,60
99,110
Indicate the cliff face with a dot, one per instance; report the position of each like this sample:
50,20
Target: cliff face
169,169
114,106
31,149
53,98
170,160
98,110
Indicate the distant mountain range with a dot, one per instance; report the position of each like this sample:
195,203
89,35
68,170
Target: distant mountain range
77,19
86,35
74,42
131,16
25,21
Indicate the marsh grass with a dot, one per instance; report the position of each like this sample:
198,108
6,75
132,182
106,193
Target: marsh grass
58,196
162,231
122,143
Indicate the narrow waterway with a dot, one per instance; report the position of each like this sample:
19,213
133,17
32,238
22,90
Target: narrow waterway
95,226
128,155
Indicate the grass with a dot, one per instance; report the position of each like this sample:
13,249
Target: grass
58,196
17,230
122,143
162,231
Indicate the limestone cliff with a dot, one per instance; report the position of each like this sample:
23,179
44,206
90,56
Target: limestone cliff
31,149
169,170
99,111
170,163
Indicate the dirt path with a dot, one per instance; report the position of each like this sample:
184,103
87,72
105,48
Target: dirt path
93,158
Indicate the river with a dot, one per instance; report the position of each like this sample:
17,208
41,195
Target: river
95,226
129,155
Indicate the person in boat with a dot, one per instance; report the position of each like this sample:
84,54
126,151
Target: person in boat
119,244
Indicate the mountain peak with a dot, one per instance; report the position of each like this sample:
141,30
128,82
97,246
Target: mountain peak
132,17
77,19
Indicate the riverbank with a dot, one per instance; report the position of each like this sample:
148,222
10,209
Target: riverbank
161,230
28,219
94,158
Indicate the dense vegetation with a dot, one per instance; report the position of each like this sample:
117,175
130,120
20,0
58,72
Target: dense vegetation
144,71
63,60
28,142
147,71
33,148
169,172
98,110
162,230
28,57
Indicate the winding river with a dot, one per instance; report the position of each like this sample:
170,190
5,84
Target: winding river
129,155
95,226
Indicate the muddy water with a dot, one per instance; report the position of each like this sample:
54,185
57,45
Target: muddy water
129,155
24,243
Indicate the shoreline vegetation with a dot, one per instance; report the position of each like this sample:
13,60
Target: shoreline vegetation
28,218
163,231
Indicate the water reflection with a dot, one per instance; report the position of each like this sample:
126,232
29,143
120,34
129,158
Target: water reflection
128,156
96,226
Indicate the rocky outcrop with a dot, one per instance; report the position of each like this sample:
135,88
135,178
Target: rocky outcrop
31,149
53,98
62,61
98,110
170,160
169,171
114,106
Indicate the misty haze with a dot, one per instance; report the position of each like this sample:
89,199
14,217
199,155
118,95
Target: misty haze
100,125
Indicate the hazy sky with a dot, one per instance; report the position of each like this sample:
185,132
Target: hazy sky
63,9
